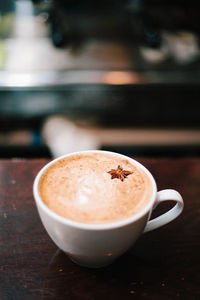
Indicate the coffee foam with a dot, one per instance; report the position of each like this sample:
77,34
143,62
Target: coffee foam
80,188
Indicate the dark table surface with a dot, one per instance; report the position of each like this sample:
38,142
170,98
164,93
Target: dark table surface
163,264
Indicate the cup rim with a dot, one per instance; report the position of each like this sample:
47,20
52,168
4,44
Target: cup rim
87,226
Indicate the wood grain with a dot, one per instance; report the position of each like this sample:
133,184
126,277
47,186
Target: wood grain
163,264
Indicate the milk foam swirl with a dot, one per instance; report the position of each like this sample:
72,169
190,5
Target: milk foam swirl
80,188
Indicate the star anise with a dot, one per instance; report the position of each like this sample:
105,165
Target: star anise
119,173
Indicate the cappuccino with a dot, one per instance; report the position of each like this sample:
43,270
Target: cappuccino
95,188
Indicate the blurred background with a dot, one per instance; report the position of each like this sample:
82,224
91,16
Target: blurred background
120,75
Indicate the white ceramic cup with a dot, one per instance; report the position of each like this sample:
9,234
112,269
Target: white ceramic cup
97,245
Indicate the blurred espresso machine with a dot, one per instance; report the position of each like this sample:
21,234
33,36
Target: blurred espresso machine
140,58
129,65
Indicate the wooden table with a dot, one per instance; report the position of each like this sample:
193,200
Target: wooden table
163,264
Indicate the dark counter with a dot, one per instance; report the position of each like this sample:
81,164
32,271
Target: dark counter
163,264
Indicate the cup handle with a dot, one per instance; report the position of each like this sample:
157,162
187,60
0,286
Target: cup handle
166,195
